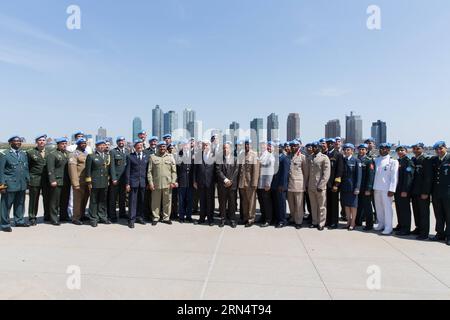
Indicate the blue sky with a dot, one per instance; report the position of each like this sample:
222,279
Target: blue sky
227,59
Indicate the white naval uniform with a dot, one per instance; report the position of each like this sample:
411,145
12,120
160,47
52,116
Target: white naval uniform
72,149
386,179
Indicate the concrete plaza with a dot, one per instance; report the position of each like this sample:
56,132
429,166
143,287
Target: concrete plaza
199,262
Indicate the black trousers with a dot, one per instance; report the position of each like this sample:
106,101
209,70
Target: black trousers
227,203
421,209
441,207
117,193
195,200
332,208
365,211
137,203
266,205
403,208
207,203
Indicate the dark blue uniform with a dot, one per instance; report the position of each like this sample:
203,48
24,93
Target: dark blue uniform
185,179
280,185
365,209
136,177
422,185
403,204
351,182
441,196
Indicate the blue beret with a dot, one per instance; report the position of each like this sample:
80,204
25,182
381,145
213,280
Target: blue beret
80,141
79,133
385,146
248,141
419,145
167,136
322,140
14,138
136,141
41,136
142,132
440,144
349,146
338,138
61,140
369,140
315,144
294,143
161,143
270,143
308,145
154,138
331,140
99,142
363,146
120,139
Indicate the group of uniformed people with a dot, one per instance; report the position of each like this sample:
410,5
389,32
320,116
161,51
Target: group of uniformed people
162,181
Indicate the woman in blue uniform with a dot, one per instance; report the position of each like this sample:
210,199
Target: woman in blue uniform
351,183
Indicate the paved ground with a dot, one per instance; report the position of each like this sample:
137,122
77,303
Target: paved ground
198,262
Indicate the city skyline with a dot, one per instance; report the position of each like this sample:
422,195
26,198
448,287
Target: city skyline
230,61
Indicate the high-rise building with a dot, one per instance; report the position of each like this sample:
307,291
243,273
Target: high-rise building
188,118
137,127
379,132
333,129
170,122
234,132
353,129
293,126
273,127
157,122
101,134
195,129
257,132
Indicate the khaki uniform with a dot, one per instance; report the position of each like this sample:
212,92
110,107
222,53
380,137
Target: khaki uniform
298,176
77,174
248,183
319,170
162,172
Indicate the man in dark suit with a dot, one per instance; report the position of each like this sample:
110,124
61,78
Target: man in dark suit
204,181
227,171
185,180
117,188
337,170
136,177
280,186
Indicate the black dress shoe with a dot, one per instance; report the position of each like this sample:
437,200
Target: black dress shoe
320,228
448,242
265,225
248,225
94,224
221,224
422,238
416,232
189,220
22,225
56,224
368,228
312,226
397,228
280,226
437,238
333,227
77,222
131,224
181,221
233,225
154,223
141,221
167,222
211,223
8,229
33,223
403,233
298,226
107,222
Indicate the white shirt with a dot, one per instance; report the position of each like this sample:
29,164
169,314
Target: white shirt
386,174
74,147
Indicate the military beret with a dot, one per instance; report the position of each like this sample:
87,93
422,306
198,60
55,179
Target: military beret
308,145
161,143
363,146
248,141
120,139
402,146
142,132
349,146
369,140
270,143
79,133
61,140
80,141
99,142
167,136
440,144
14,138
229,142
136,141
323,140
331,140
315,144
338,138
419,145
40,137
299,141
294,143
385,146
